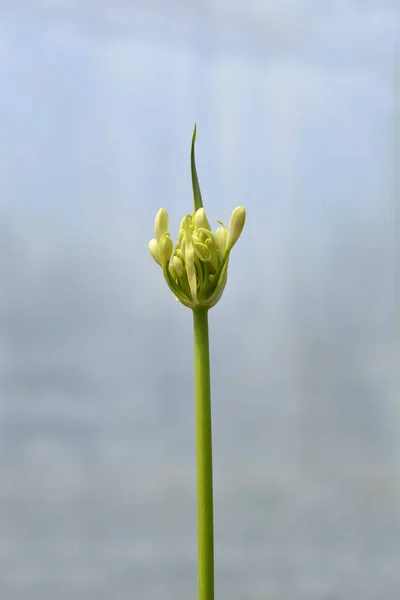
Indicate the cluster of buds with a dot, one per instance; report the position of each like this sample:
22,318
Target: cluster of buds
196,269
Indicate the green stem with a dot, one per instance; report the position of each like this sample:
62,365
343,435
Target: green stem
205,522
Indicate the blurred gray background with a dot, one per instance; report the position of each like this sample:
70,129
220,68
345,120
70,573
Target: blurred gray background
295,104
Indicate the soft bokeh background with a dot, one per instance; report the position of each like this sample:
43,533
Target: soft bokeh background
295,105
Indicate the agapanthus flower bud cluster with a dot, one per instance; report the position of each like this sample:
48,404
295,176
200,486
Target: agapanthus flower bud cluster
196,268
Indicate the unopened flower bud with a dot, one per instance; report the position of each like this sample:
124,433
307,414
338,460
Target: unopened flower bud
236,225
200,219
165,247
178,266
221,235
212,246
154,251
185,222
161,223
172,270
178,252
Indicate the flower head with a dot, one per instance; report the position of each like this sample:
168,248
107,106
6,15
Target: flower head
196,268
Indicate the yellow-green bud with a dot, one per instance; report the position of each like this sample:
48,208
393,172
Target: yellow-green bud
188,252
178,266
178,252
172,270
212,246
165,248
221,236
200,219
161,223
185,222
183,248
236,225
154,251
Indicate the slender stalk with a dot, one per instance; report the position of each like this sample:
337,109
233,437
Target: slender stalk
205,521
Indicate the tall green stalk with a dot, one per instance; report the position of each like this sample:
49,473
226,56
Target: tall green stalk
196,271
205,519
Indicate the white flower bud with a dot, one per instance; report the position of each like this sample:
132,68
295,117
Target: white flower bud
236,225
161,223
154,251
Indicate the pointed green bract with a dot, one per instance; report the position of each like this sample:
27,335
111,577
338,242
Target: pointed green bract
198,202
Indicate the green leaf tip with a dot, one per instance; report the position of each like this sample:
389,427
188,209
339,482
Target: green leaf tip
198,202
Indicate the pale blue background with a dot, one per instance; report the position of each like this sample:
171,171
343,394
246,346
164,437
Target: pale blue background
295,104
